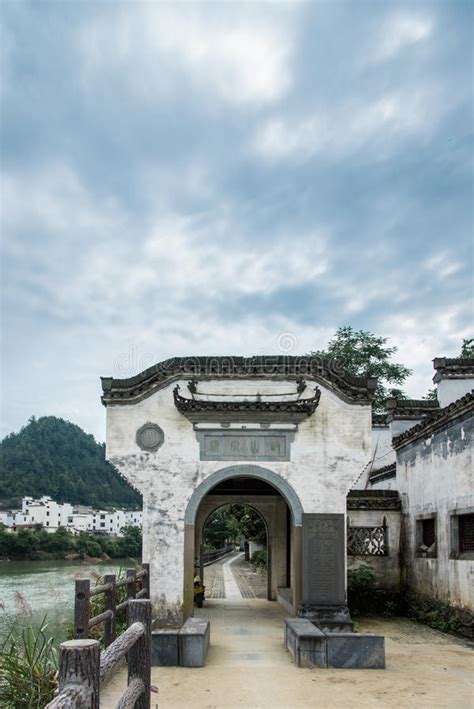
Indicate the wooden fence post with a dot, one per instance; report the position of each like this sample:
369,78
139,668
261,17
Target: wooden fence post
79,672
131,587
139,656
109,605
146,579
82,609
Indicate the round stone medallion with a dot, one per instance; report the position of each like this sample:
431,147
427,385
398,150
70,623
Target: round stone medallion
150,437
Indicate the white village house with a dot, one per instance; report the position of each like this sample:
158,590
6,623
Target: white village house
51,515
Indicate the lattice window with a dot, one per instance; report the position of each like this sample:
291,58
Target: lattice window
367,541
466,533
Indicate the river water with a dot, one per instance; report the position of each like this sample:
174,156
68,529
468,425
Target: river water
30,590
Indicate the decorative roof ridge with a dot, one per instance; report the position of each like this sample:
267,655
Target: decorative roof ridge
198,410
384,469
453,367
373,500
326,371
373,493
454,410
379,419
412,403
385,473
410,408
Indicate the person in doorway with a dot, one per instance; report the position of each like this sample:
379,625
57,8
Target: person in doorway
199,590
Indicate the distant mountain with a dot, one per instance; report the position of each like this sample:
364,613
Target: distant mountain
50,456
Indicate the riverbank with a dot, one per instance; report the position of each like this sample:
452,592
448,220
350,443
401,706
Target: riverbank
34,589
38,544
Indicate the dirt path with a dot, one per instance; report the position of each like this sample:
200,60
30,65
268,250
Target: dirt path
248,666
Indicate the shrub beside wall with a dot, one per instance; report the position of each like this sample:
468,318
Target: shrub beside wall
365,598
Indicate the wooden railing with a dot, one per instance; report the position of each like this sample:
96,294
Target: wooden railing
83,594
211,556
83,667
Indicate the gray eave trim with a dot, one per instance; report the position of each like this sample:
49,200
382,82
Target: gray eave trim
353,390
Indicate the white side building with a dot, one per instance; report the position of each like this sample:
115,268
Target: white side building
51,515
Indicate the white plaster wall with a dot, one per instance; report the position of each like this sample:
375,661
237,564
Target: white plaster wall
387,484
435,474
450,390
382,454
328,453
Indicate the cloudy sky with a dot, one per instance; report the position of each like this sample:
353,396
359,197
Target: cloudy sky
228,178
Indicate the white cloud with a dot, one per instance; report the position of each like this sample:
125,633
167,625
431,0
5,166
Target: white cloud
378,123
442,265
241,53
423,334
126,262
399,31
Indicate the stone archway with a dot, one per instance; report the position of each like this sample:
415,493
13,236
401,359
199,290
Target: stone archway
210,504
295,511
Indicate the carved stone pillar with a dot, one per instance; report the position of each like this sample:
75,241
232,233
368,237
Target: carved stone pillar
323,572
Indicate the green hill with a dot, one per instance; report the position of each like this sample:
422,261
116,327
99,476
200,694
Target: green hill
50,456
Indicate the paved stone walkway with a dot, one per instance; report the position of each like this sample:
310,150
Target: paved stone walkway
252,583
248,666
214,579
232,591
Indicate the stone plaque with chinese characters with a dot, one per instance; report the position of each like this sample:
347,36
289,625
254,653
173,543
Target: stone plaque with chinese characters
244,445
324,550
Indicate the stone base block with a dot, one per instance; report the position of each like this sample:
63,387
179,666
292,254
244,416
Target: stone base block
164,648
329,619
186,647
194,639
311,647
305,642
355,651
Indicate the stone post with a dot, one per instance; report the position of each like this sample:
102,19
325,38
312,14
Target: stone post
323,572
165,550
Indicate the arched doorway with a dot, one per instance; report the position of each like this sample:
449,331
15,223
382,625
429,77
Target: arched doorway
276,500
235,543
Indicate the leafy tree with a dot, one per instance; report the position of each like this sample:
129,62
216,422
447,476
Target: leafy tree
130,544
61,540
217,530
467,347
232,522
431,395
251,523
367,355
50,456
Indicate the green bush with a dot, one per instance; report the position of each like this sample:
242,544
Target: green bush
259,559
28,666
364,598
436,614
38,544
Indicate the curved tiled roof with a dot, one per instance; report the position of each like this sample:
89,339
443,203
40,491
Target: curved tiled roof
379,419
295,410
453,368
387,471
458,408
373,500
281,367
410,408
